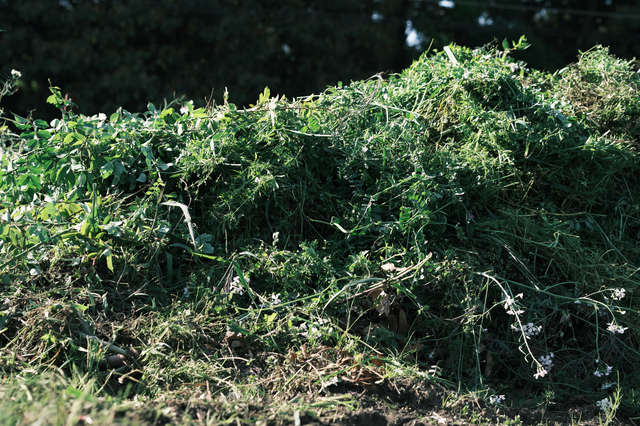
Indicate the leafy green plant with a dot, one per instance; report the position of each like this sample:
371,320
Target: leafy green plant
463,218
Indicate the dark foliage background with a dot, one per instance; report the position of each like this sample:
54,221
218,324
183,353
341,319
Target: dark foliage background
111,53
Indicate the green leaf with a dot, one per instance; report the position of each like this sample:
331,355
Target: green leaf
271,318
313,124
48,211
111,229
237,329
200,113
107,170
71,391
243,281
34,182
21,123
110,261
264,96
505,45
44,134
207,248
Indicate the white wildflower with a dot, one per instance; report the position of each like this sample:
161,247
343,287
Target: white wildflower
604,404
540,373
618,293
528,329
275,299
616,328
510,302
16,73
236,286
309,332
496,399
545,365
600,372
546,360
185,108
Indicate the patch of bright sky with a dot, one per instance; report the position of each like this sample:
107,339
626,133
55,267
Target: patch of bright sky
446,3
414,38
485,20
376,17
541,15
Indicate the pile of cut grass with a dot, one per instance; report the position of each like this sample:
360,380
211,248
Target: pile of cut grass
468,221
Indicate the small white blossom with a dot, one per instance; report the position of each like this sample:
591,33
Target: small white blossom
185,108
606,386
236,286
546,360
496,399
528,329
604,404
275,299
102,116
311,331
618,293
616,328
16,73
546,364
510,302
540,373
599,373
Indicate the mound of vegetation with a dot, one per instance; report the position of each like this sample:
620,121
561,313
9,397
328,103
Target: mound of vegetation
468,222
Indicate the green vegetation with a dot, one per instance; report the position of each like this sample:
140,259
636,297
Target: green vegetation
469,224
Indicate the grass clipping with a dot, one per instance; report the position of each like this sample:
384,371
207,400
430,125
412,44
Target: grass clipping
468,218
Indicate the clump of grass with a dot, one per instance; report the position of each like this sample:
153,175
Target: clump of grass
468,218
